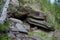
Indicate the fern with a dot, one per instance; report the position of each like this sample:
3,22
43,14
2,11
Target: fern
4,26
4,37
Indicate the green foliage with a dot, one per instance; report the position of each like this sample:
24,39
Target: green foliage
21,2
53,9
26,2
4,37
53,38
2,2
49,11
43,35
4,26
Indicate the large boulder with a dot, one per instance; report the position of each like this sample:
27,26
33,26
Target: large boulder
17,25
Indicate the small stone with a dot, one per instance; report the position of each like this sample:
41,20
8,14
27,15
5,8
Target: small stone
27,26
33,29
36,37
20,27
10,34
13,29
19,35
18,38
15,32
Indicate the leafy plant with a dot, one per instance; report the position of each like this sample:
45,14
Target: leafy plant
4,26
4,37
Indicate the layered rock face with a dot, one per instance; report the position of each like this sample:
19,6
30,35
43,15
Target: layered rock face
39,19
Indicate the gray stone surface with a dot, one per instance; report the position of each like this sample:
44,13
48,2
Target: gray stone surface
18,38
17,25
27,26
57,34
20,27
15,2
37,37
15,20
10,34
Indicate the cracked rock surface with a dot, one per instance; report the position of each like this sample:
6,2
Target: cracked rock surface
18,31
